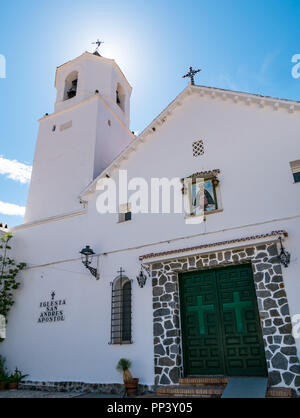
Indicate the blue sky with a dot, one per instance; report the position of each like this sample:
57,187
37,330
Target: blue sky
241,45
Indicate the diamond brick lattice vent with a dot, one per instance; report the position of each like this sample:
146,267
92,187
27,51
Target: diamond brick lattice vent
198,148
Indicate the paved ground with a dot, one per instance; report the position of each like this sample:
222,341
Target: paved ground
34,394
98,395
41,394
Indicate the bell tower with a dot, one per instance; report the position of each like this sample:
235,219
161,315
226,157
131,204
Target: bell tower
87,130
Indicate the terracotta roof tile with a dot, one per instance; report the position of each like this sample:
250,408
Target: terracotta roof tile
214,244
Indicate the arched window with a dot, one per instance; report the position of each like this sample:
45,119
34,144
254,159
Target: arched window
121,311
71,85
120,96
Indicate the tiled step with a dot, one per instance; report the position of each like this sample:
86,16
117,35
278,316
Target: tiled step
208,391
204,380
212,391
281,393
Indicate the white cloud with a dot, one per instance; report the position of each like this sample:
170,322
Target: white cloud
227,82
268,60
11,209
14,170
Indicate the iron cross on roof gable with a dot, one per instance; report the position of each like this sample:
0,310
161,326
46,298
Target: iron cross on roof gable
191,74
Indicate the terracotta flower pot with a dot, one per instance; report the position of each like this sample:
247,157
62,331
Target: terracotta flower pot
132,387
13,385
2,385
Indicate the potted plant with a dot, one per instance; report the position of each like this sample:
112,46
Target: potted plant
131,384
15,379
3,374
3,381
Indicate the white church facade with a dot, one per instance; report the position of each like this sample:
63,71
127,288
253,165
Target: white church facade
218,299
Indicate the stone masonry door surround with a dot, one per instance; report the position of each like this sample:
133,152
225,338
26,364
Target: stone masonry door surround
280,348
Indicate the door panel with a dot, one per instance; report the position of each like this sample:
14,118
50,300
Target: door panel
242,338
201,333
220,323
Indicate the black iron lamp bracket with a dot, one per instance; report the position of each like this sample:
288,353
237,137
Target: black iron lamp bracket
143,276
94,272
87,255
284,256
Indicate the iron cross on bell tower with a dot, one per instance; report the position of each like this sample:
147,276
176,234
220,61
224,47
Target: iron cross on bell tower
98,43
191,74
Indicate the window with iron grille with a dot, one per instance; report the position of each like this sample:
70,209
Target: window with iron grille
121,311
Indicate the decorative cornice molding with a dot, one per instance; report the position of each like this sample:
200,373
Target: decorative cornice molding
203,174
215,244
47,220
292,109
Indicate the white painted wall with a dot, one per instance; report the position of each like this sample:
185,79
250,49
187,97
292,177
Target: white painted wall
112,137
251,146
63,162
78,349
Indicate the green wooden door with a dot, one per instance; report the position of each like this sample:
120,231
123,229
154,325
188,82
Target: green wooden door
220,323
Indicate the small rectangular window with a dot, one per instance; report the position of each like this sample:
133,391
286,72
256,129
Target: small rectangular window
297,177
125,212
295,166
128,216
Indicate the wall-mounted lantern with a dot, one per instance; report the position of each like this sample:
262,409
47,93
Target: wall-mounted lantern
86,256
141,278
284,256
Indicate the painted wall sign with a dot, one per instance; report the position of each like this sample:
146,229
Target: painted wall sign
52,310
